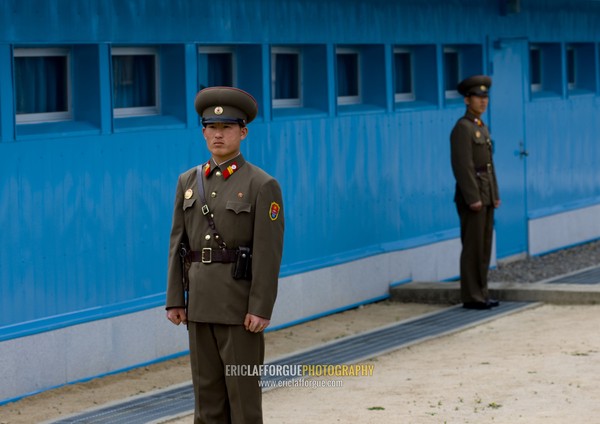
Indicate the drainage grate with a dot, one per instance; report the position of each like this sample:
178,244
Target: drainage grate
141,409
362,346
178,401
589,276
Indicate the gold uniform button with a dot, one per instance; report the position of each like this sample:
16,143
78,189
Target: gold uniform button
207,237
218,173
213,194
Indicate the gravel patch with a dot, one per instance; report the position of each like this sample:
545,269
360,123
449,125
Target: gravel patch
553,264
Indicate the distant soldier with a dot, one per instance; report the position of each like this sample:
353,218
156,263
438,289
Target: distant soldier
476,193
228,214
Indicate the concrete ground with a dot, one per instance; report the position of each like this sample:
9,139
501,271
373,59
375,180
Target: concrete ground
539,365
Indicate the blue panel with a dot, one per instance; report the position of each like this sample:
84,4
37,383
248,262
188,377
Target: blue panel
563,152
358,181
87,204
88,220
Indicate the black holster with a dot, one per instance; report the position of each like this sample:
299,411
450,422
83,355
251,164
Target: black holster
242,268
186,263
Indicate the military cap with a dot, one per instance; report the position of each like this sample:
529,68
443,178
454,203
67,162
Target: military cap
225,104
477,85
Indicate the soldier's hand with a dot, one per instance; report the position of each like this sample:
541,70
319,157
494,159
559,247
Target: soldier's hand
177,316
497,203
255,324
476,206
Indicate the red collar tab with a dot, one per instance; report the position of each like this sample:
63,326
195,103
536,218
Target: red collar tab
207,169
227,172
478,121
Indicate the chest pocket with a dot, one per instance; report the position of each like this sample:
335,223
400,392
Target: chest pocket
481,140
238,207
188,203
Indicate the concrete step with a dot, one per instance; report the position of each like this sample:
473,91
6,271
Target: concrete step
547,292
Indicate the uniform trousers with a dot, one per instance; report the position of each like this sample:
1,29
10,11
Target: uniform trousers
476,234
223,399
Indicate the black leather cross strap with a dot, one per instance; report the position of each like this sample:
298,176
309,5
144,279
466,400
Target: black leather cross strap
208,255
206,210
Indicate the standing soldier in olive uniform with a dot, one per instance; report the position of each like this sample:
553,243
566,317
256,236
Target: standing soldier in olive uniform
230,214
476,193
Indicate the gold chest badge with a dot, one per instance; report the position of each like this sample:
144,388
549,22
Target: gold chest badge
188,193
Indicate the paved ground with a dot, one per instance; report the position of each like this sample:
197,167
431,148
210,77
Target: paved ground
536,366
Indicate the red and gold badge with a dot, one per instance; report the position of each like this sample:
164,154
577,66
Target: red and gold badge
274,211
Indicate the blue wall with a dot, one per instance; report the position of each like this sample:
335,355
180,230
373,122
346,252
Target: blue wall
564,146
86,206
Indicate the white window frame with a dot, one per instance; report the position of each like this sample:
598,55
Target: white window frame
350,100
208,50
144,110
453,93
537,87
283,103
405,97
30,118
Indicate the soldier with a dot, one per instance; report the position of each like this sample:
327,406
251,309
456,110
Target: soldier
230,214
476,193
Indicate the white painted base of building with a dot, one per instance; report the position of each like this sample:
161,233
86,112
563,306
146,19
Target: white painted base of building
564,229
46,360
317,293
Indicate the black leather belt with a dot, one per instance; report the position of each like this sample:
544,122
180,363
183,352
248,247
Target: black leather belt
208,255
484,168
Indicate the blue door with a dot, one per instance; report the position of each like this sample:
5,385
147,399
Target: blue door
507,124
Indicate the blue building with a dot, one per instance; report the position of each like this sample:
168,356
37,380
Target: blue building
357,100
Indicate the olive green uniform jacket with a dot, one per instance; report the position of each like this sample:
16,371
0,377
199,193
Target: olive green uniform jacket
248,211
471,149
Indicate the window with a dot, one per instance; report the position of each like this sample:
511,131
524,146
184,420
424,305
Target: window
348,76
42,85
545,69
459,62
535,68
581,68
298,86
286,77
451,72
403,75
215,67
135,81
415,75
361,78
218,66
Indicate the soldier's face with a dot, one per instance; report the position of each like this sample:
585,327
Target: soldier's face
476,104
223,140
